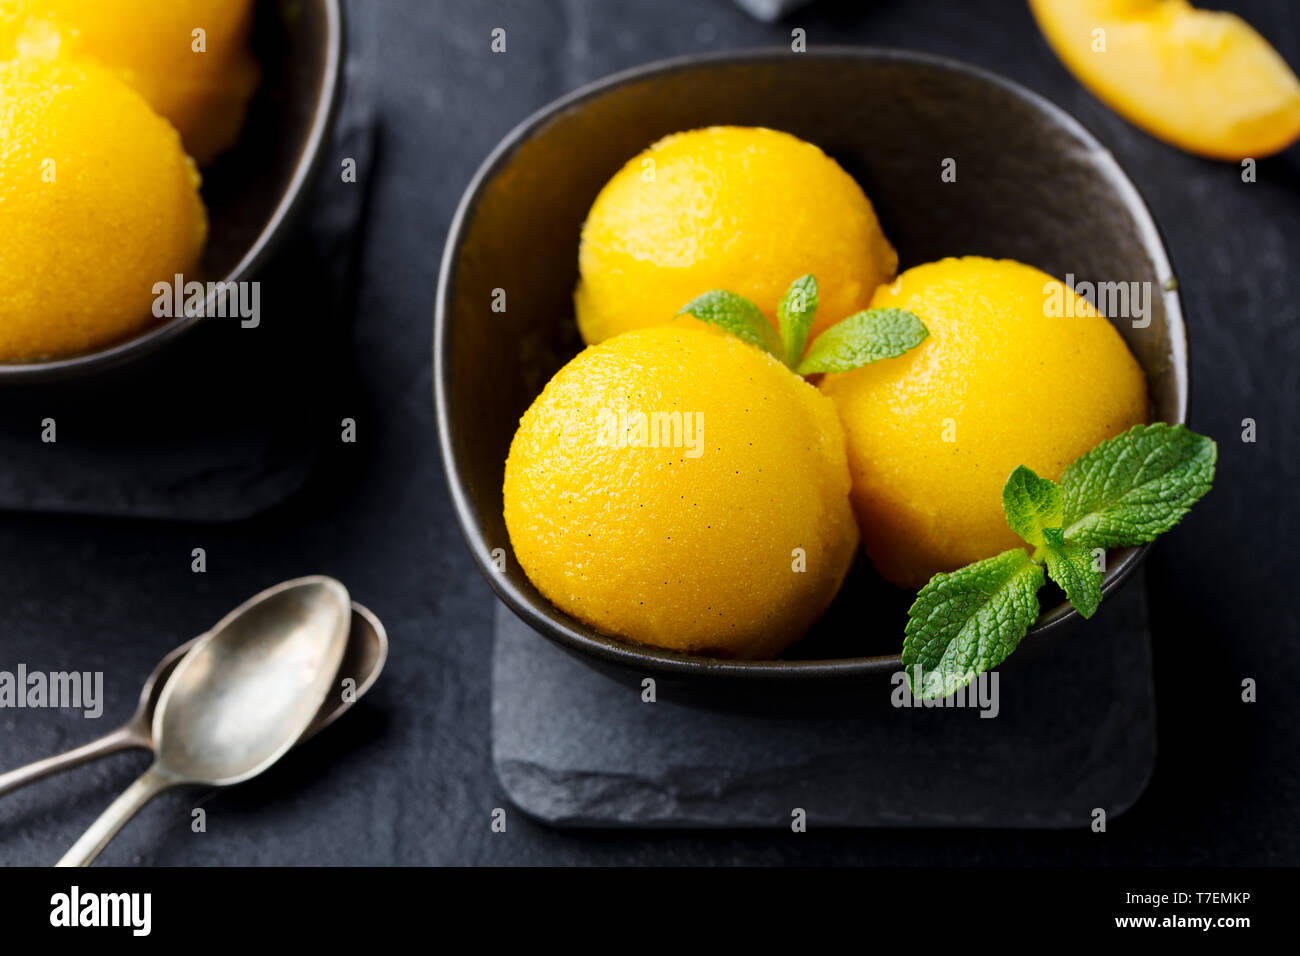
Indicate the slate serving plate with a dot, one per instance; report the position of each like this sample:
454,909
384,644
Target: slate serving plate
1032,184
254,191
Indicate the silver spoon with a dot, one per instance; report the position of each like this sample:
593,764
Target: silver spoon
363,661
241,697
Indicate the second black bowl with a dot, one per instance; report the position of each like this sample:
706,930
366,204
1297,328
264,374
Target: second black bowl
254,192
1032,184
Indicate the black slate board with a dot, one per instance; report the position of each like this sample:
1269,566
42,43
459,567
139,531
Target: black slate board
1074,731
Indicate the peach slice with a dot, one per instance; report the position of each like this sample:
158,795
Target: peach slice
1202,80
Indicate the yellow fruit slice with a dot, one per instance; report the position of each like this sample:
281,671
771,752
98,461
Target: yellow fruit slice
98,201
742,209
719,525
999,382
189,58
1202,80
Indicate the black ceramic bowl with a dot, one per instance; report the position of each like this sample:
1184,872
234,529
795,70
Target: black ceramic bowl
253,191
1032,184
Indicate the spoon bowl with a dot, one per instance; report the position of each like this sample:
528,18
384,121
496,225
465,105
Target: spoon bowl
250,688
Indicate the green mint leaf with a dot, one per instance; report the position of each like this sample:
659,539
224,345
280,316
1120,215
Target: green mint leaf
737,315
1136,486
1070,565
863,338
795,316
1031,504
968,621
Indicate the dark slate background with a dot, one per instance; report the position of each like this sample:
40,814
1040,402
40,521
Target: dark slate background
407,778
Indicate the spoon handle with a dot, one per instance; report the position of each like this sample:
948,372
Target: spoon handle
123,738
152,782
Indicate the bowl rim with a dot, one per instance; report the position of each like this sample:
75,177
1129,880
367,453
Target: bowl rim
574,636
267,242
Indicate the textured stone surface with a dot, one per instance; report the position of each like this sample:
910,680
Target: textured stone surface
407,777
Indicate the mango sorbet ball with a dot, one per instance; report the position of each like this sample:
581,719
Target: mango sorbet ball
999,382
677,487
153,46
744,209
98,202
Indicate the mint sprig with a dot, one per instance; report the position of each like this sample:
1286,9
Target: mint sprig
862,338
1126,491
795,314
1031,504
968,621
1071,565
1138,487
737,315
